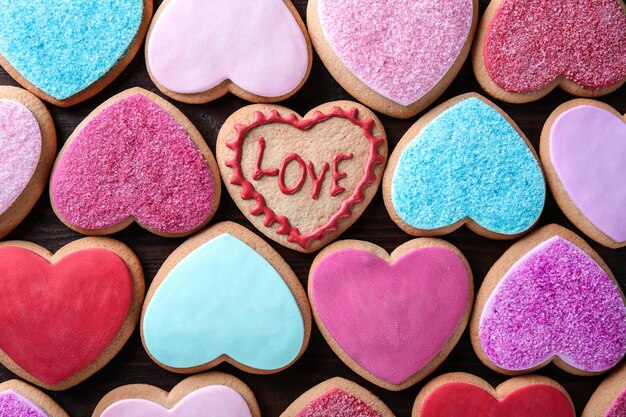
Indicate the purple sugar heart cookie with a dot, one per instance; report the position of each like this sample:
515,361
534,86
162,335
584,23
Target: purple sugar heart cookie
609,399
550,297
18,399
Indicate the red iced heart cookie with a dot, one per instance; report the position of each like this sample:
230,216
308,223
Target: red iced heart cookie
64,316
525,48
460,394
302,180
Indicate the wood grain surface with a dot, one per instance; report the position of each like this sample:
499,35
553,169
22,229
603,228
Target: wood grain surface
276,392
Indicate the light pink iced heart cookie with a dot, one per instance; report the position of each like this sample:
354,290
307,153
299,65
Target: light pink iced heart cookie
135,158
199,50
583,150
211,394
609,399
391,318
27,146
398,56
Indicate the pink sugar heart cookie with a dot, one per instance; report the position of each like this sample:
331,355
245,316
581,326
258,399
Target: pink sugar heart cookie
583,150
28,146
550,298
135,158
396,340
526,48
609,399
18,399
398,56
197,51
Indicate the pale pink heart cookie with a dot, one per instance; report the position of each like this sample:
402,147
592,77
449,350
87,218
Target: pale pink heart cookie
135,158
583,150
395,56
391,318
199,50
27,146
609,399
211,394
526,48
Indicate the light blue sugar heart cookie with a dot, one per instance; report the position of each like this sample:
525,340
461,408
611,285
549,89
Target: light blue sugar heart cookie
226,295
63,47
465,162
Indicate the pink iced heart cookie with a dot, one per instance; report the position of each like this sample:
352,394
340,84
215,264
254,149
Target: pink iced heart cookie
525,48
583,150
550,297
135,158
398,56
609,399
198,51
27,146
211,394
391,318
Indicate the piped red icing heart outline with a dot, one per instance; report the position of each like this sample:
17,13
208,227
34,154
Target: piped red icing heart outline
249,192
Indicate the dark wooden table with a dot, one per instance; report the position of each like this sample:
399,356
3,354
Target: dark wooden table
275,392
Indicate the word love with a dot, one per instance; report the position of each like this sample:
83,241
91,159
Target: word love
305,168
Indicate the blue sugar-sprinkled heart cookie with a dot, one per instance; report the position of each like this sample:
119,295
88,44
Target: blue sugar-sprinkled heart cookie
65,51
465,162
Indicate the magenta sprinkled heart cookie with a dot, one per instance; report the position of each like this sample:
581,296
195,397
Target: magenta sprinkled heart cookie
583,149
18,399
609,399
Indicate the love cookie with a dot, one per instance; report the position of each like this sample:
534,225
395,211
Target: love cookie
550,298
67,51
464,162
197,51
135,158
225,296
18,399
337,397
526,48
302,181
384,52
609,400
583,150
461,394
28,146
65,316
396,340
212,394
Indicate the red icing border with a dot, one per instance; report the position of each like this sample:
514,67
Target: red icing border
248,191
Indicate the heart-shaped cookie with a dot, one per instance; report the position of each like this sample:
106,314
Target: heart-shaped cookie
464,162
212,394
28,147
609,399
396,56
461,394
64,316
135,158
337,397
583,150
396,340
526,48
198,51
550,297
302,180
18,399
225,296
67,51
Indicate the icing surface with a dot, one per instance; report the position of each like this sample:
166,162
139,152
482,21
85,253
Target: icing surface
555,301
211,401
618,407
20,147
456,399
64,46
399,49
223,298
392,336
588,153
529,43
13,404
57,319
258,45
468,162
133,159
338,403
